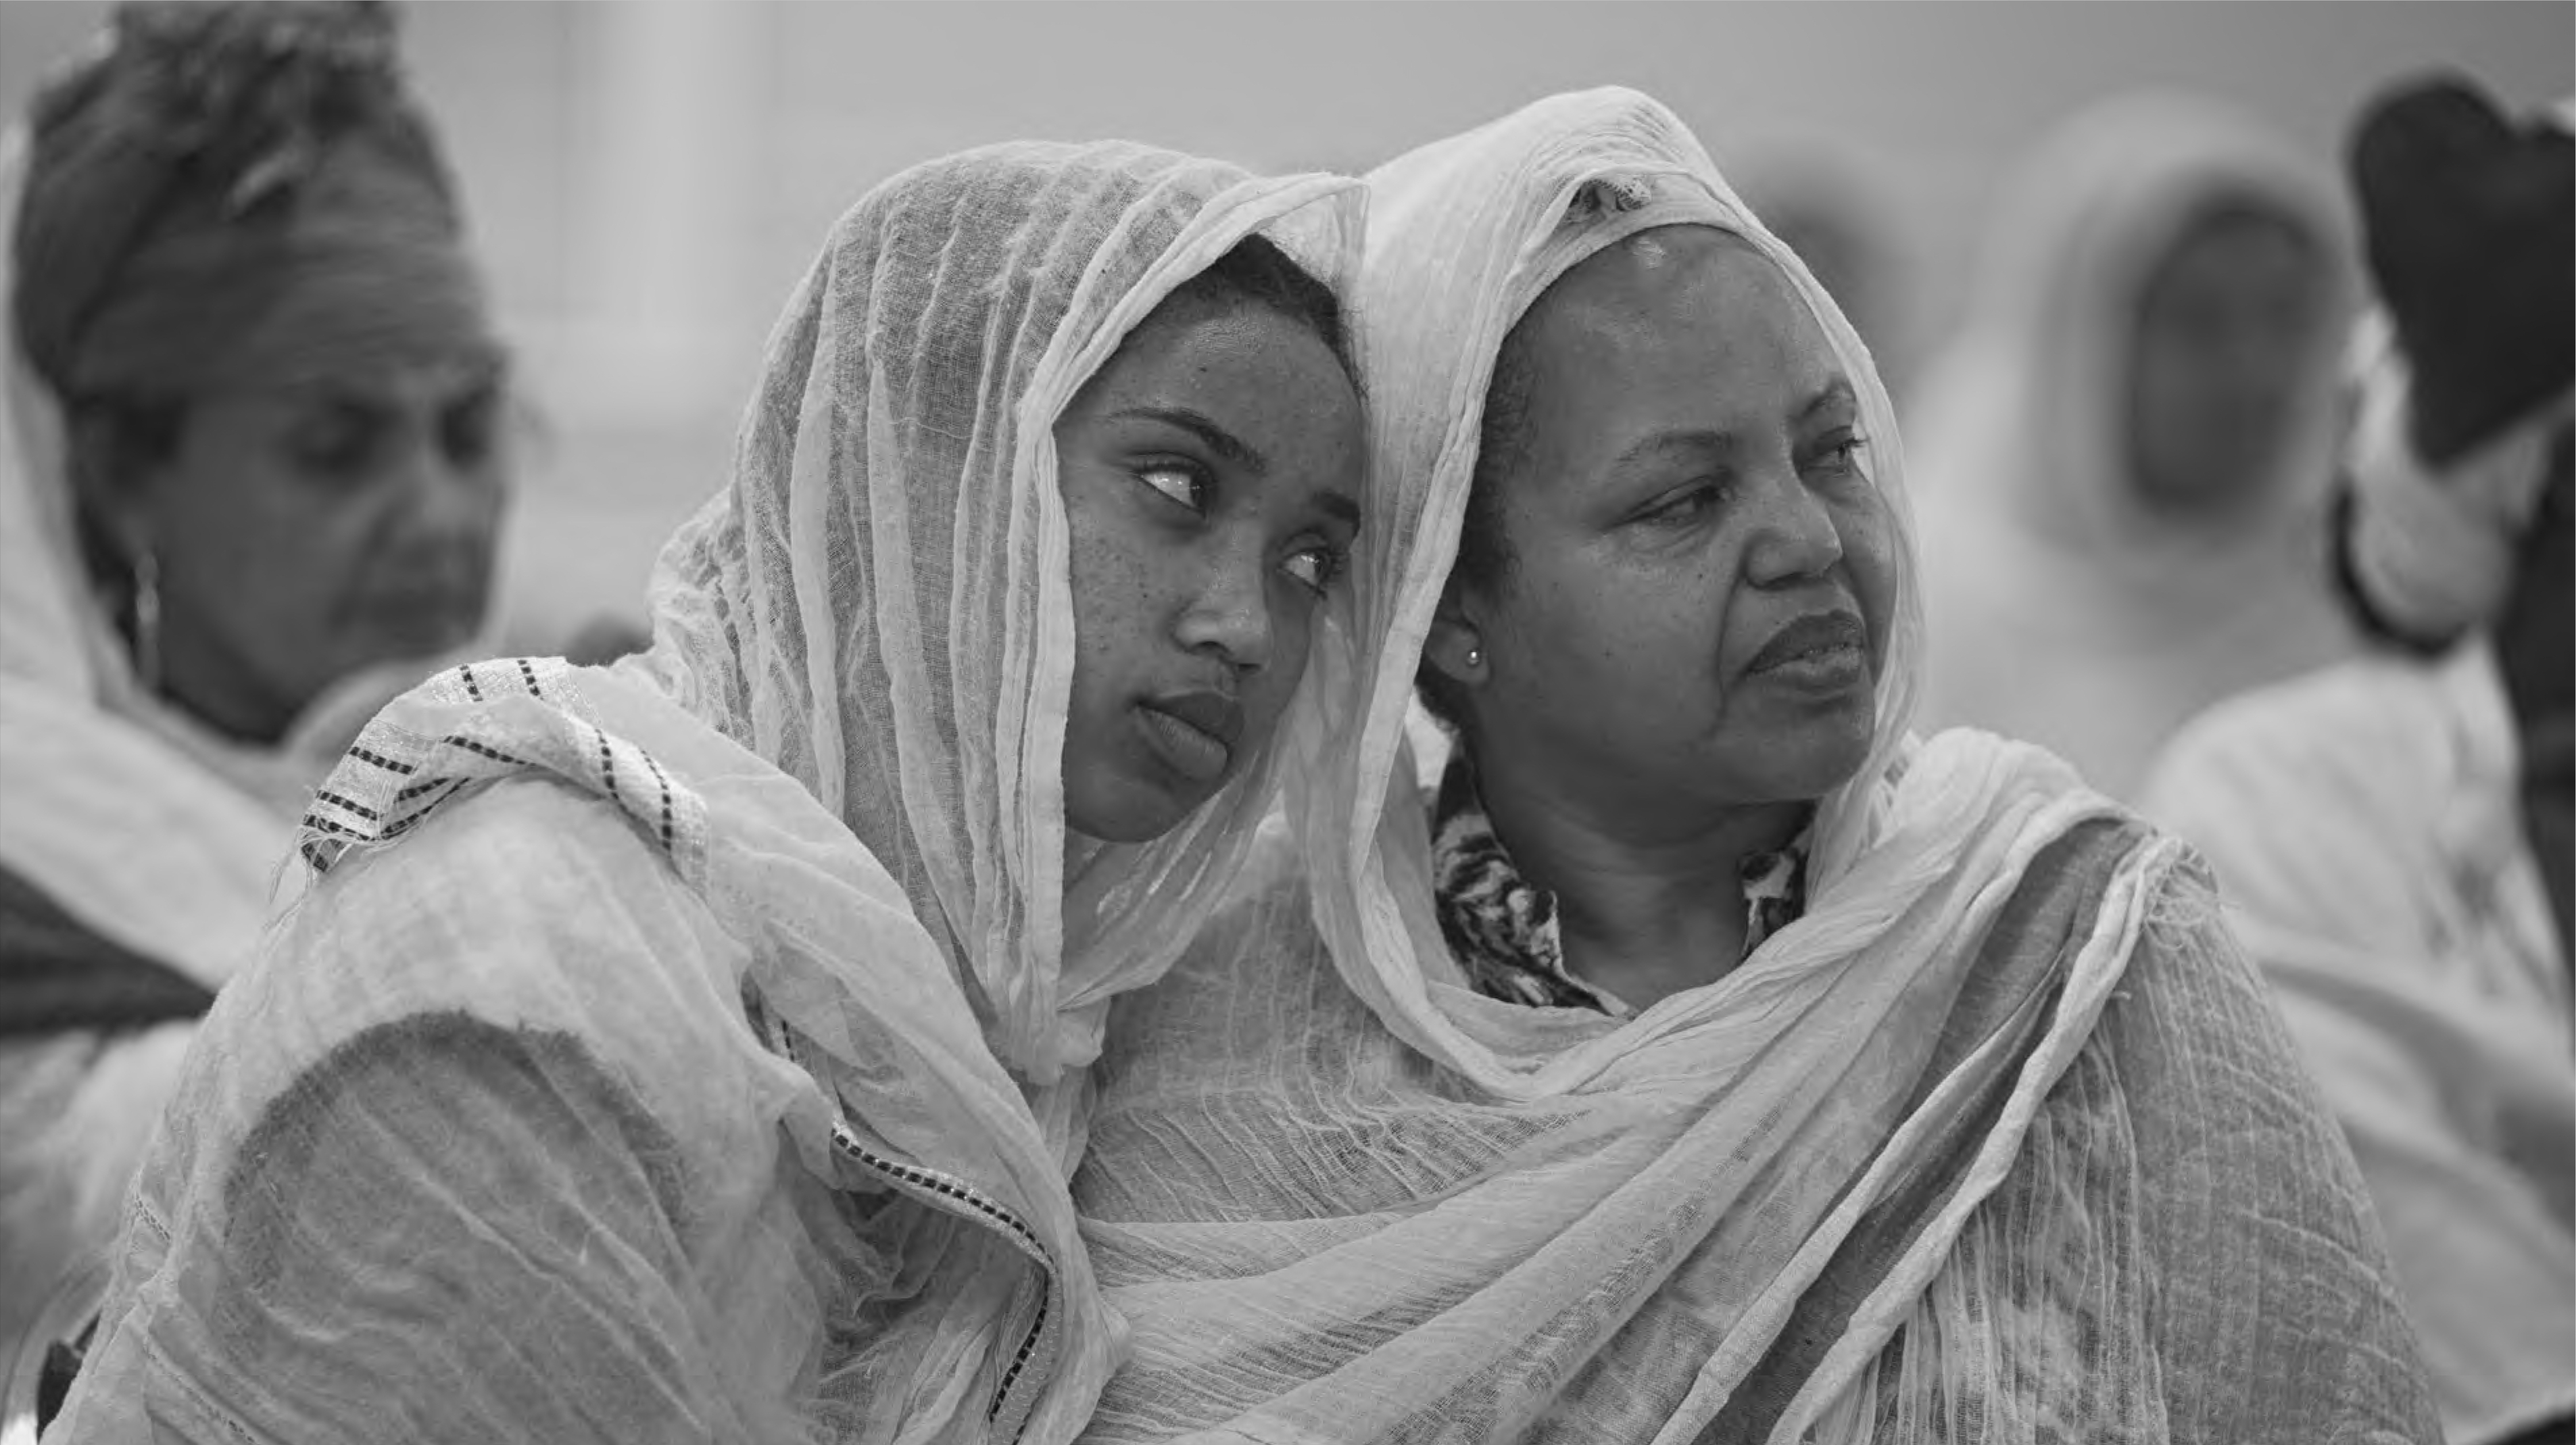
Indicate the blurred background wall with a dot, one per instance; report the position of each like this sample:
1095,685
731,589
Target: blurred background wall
649,180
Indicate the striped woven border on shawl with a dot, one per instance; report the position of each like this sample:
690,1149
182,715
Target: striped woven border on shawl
393,778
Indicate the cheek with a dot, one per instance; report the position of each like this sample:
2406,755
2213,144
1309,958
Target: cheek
255,544
1877,575
1600,632
1111,583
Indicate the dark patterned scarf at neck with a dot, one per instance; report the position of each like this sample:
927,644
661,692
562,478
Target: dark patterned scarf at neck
1502,928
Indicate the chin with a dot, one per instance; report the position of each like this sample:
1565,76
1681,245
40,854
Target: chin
1816,761
1123,811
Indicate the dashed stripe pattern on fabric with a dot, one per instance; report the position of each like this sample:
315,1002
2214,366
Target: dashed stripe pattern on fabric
954,1196
394,778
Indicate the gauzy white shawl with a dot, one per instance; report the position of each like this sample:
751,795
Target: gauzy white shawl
2063,611
2366,823
1999,1142
715,1074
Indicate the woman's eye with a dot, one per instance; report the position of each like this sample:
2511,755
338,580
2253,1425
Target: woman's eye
1682,508
469,432
340,448
1181,484
1842,453
1317,566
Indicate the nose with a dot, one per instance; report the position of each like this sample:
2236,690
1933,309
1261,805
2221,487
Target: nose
1793,536
1228,609
450,500
442,513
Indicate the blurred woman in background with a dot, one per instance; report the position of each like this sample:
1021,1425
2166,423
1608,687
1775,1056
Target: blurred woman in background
2395,831
253,479
2123,459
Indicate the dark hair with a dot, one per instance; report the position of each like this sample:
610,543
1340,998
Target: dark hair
1256,270
1484,559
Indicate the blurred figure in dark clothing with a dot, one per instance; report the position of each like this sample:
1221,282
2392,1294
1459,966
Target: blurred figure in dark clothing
2395,832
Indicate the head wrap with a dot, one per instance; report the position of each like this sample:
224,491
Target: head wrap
221,195
197,173
1562,179
2053,321
2066,610
879,603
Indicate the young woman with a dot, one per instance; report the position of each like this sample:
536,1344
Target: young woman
696,1050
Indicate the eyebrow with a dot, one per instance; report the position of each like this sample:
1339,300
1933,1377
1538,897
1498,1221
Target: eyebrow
1341,506
1225,444
1837,392
485,371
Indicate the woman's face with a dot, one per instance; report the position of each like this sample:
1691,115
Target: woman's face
1701,574
2227,331
305,532
1210,476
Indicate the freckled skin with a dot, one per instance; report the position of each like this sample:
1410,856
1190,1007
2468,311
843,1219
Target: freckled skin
1167,597
1617,651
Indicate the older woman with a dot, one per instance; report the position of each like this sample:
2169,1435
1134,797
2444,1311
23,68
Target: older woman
2123,462
252,481
695,1051
1714,1061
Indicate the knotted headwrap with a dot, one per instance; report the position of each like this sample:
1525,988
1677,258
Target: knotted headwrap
215,180
2465,371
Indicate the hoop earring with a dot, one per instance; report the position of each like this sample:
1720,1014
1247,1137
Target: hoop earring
147,620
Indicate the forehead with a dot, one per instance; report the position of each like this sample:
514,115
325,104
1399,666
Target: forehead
391,382
351,314
1682,325
2221,243
1269,365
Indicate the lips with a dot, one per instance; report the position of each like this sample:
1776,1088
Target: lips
1196,731
1818,640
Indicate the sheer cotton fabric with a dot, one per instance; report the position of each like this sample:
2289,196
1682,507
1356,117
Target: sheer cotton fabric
890,622
689,1050
1998,1142
2064,610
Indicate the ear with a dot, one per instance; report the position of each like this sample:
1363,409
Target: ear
1455,647
111,475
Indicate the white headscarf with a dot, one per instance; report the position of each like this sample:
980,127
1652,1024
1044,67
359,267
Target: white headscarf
880,604
2063,610
838,817
1340,1197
